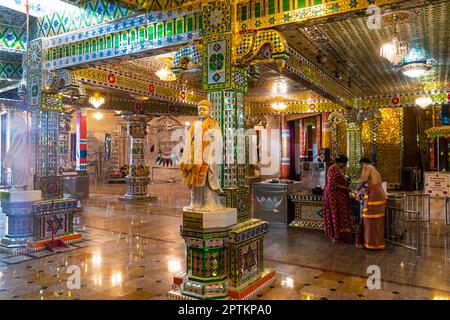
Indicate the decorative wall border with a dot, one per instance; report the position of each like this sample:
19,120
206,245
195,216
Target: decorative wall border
153,19
135,48
113,79
401,100
305,107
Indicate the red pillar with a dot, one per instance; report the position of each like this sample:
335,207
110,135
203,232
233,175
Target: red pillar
285,148
81,132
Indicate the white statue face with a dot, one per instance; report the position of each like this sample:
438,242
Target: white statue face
204,111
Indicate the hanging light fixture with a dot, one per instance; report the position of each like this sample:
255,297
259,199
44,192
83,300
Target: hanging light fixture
416,69
166,73
279,89
98,115
279,105
395,50
96,100
424,102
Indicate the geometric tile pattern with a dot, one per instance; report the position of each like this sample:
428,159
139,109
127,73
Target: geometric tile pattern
228,112
217,53
120,51
12,39
88,14
10,70
119,38
152,26
216,17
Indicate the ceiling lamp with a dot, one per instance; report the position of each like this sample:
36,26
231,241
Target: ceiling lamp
96,100
279,105
416,69
279,87
98,115
395,50
165,73
424,102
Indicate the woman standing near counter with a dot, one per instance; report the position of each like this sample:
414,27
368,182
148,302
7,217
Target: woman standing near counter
336,202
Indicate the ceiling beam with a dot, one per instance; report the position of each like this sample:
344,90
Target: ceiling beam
308,13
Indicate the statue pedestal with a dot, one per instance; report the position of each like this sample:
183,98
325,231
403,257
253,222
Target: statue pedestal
17,206
224,258
206,236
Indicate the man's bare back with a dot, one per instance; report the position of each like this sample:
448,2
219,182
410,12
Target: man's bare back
371,175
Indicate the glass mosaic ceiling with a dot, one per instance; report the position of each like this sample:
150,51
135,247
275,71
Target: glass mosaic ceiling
352,49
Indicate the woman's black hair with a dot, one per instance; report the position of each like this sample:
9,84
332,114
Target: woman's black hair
365,160
341,159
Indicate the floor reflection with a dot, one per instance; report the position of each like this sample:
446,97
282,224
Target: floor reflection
131,251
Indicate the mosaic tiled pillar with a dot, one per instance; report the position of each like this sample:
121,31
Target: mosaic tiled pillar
46,109
81,134
207,234
206,253
229,113
19,230
354,149
138,177
285,148
326,140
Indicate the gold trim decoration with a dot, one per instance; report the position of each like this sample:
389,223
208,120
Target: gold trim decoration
400,100
438,132
304,107
311,12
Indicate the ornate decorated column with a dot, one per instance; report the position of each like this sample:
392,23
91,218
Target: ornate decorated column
226,85
224,247
81,133
285,148
138,177
32,208
354,145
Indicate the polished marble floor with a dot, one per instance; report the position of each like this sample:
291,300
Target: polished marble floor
131,252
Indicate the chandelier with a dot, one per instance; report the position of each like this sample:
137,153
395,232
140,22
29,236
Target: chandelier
279,105
96,100
395,50
424,101
279,89
415,69
166,73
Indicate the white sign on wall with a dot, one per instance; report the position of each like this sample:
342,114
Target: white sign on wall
437,184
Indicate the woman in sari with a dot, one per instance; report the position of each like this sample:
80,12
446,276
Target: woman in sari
336,202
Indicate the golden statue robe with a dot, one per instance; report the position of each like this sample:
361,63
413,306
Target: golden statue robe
198,164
